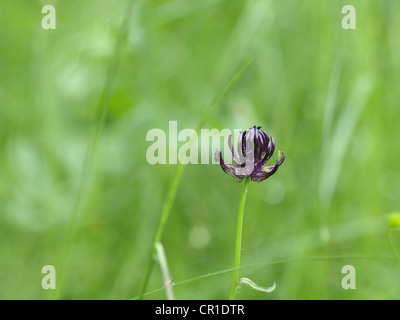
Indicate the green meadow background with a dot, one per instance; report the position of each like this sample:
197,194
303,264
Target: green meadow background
76,103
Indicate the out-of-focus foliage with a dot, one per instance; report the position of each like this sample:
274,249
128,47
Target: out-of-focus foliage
329,97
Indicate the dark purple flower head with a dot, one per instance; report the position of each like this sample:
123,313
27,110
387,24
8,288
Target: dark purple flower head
255,148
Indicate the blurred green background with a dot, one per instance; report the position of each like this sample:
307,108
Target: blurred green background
77,102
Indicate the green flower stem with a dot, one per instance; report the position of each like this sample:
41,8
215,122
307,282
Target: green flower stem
169,201
238,250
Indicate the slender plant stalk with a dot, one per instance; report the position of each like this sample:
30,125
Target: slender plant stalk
170,198
166,209
162,259
239,230
391,244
